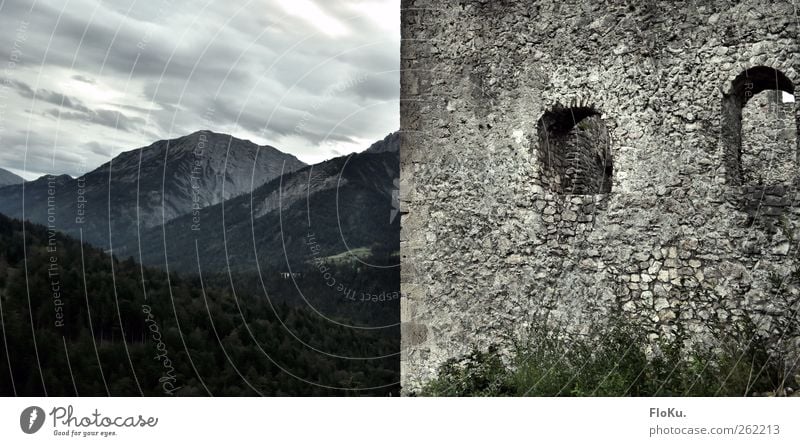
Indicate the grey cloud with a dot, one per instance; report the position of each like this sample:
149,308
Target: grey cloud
62,100
84,79
313,125
108,118
382,87
117,120
174,59
21,88
96,148
38,154
48,96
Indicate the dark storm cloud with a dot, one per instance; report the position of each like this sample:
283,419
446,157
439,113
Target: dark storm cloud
127,71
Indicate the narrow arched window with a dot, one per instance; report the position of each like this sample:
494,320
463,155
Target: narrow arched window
574,151
760,128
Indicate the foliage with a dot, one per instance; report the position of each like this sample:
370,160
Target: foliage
478,373
115,327
615,363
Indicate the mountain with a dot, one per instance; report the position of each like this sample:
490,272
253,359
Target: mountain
389,144
340,210
146,187
7,178
231,317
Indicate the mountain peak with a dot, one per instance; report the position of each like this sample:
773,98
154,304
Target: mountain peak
8,178
211,143
145,187
389,144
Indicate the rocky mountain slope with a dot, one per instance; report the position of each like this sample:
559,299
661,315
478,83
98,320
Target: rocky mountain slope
147,187
340,208
7,178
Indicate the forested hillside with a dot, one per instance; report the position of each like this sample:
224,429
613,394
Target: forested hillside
78,322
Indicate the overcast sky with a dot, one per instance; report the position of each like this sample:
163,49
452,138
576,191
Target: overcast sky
83,80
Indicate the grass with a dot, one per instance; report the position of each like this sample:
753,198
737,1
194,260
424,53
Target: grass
617,364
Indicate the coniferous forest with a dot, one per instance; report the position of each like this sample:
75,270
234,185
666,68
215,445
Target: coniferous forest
77,321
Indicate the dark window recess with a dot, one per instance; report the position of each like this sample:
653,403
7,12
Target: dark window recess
759,128
574,151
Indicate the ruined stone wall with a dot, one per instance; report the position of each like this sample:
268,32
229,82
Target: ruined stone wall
679,245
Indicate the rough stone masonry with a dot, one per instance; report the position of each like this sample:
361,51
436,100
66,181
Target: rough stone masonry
572,160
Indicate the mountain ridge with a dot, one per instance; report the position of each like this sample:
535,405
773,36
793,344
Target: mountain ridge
148,186
8,178
346,202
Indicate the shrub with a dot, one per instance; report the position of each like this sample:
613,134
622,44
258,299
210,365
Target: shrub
615,363
478,373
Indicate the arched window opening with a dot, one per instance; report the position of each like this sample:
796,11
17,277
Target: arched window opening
574,151
760,128
769,138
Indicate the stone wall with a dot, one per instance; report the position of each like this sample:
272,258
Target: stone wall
680,245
